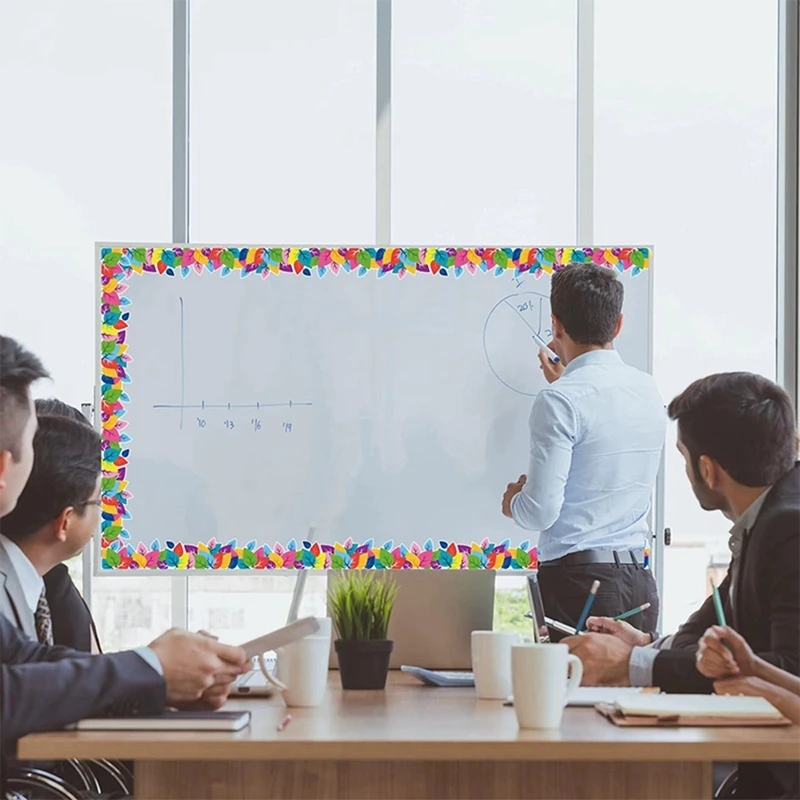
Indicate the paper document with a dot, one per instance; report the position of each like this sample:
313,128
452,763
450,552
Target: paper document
589,696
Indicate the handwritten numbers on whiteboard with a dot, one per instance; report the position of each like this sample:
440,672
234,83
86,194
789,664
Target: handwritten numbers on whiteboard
256,423
201,423
287,427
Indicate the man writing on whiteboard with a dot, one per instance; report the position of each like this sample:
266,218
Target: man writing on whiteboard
597,433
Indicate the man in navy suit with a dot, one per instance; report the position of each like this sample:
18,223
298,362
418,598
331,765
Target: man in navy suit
44,687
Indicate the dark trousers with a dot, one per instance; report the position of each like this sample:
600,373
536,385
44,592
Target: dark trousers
565,589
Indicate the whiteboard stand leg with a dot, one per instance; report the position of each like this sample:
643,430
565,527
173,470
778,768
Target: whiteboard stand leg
297,595
180,601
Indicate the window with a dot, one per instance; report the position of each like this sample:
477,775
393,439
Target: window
283,150
483,122
282,135
686,160
84,156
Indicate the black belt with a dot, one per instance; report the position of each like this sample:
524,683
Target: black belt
632,557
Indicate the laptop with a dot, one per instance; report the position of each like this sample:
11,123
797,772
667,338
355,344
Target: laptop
254,683
434,616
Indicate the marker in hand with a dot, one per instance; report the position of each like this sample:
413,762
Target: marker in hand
551,355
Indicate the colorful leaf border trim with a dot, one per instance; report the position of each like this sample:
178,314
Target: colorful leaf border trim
119,264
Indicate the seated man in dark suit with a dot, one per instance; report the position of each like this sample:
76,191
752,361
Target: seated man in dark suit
54,519
738,435
44,687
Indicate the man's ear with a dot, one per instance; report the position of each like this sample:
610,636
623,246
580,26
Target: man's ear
558,328
618,326
5,463
709,471
61,524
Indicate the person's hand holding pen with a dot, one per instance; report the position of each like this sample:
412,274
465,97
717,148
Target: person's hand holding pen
550,362
723,653
619,629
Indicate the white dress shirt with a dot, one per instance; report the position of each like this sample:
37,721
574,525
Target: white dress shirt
33,584
597,434
30,580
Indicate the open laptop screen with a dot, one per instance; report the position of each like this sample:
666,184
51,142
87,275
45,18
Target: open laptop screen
540,634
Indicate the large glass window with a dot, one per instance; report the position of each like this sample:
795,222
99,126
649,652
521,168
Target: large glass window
84,157
282,150
686,161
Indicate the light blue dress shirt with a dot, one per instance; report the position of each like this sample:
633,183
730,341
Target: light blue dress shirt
596,439
151,658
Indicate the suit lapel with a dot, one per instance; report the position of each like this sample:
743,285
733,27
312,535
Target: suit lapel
15,596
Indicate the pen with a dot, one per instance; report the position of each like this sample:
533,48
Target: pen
284,723
642,607
551,355
560,626
720,614
587,607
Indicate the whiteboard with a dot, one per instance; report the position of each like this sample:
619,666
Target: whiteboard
264,410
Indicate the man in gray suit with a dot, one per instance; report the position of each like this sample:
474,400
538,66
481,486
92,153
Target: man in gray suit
44,687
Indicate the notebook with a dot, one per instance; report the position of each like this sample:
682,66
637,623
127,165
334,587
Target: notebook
169,721
691,709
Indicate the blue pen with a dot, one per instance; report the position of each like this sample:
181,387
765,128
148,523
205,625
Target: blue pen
551,355
588,606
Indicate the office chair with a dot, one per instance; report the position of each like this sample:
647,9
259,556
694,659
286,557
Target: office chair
113,776
727,788
43,785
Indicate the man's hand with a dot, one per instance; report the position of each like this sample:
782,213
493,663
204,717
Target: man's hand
714,660
197,668
619,629
552,371
511,490
605,658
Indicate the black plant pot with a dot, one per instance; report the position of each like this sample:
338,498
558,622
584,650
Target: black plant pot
363,665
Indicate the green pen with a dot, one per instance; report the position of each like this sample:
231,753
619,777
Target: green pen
720,614
637,610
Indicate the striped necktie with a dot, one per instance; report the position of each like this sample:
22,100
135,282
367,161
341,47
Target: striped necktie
43,620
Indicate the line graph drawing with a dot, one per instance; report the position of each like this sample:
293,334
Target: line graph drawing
518,319
203,405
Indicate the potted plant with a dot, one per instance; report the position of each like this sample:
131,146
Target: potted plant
361,606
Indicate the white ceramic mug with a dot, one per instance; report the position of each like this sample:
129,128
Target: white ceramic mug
491,663
301,671
541,686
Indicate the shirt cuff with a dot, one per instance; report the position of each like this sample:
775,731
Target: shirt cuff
149,656
640,666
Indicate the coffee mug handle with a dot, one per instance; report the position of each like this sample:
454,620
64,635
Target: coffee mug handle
280,686
575,667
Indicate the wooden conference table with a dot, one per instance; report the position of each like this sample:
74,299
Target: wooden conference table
417,742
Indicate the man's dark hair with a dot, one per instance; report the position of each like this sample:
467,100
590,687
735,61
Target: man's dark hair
587,300
53,407
66,466
743,421
19,368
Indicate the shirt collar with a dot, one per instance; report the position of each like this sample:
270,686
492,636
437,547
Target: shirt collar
750,514
30,580
593,357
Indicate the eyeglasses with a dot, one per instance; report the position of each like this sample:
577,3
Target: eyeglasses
98,502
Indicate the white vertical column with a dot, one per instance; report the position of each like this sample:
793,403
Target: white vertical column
180,207
788,207
585,124
383,124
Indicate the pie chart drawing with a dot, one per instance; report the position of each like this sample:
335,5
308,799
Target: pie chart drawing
509,343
